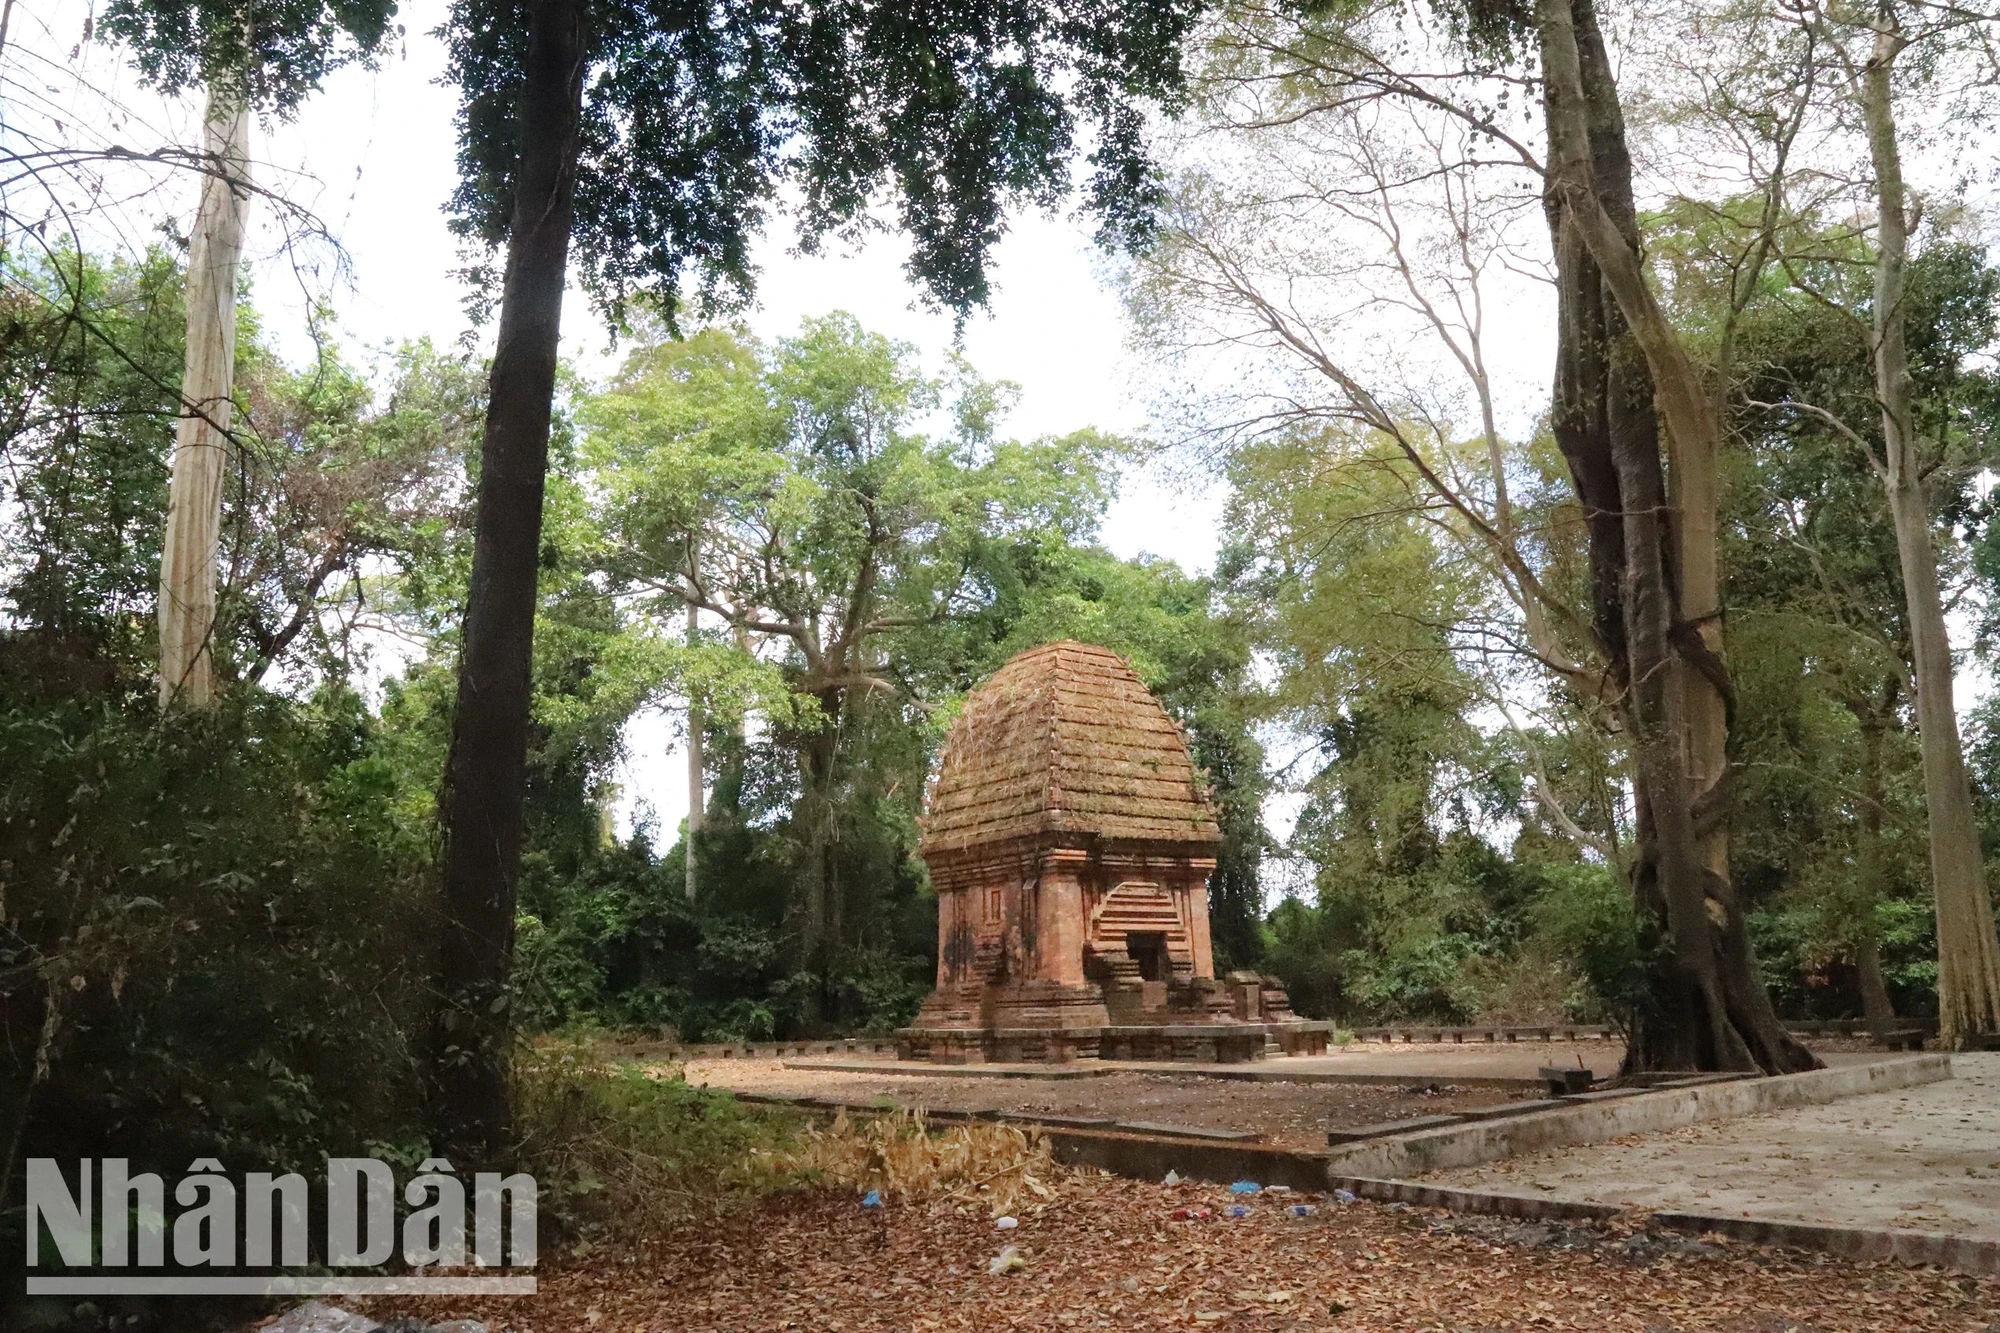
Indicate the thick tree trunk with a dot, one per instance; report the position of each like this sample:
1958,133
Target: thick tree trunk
817,912
1654,580
697,808
486,771
208,386
1968,951
1877,1009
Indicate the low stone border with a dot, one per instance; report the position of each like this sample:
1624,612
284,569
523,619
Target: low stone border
1485,1033
920,1069
771,1050
1151,1156
1275,1071
1529,1206
1853,1027
1570,1125
1264,1071
1960,1254
1050,1124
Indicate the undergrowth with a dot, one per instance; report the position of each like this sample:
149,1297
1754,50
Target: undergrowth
621,1152
615,1150
998,1167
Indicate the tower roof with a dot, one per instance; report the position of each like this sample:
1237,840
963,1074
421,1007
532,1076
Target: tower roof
1065,739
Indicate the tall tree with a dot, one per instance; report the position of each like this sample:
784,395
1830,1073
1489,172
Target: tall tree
208,398
655,135
1968,948
248,58
1642,432
790,492
1635,415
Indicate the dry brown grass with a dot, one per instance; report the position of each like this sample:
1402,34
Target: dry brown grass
998,1167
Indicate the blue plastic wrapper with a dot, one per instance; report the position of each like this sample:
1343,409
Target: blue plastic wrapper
872,1199
1245,1187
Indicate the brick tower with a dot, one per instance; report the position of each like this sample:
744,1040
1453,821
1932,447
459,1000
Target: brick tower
1070,845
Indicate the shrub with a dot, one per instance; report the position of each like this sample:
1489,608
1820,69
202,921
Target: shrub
1428,981
210,933
1587,915
618,1152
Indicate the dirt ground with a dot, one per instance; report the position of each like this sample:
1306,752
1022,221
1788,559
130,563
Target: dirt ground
1289,1114
1106,1253
1919,1159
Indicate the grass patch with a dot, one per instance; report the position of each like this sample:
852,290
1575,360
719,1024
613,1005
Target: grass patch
616,1150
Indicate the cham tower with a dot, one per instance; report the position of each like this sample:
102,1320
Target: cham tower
1070,844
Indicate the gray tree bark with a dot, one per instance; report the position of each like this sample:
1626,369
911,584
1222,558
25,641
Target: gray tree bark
1968,951
208,384
1623,375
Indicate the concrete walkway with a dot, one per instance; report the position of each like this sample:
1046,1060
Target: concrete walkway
1444,1061
1921,1159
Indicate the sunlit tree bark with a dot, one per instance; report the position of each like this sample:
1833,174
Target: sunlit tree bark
201,436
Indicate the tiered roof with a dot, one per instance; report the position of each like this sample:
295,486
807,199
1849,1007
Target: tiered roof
1065,739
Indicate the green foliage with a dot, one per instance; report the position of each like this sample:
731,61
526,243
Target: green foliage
1425,981
277,52
213,925
1828,836
694,115
328,486
91,361
1589,917
624,1153
1807,966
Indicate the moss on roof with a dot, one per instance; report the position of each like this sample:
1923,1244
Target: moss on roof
1065,739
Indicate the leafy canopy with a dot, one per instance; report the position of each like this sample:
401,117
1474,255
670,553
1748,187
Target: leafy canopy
694,114
279,50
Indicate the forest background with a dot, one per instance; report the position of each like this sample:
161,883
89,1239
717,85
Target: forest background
246,889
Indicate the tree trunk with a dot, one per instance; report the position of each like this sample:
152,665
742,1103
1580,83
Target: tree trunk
1877,1009
697,808
1872,716
208,386
1654,580
817,757
486,771
1968,951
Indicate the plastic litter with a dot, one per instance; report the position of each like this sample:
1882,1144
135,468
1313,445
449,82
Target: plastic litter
1191,1214
872,1199
1302,1210
1173,1178
1277,1189
1238,1210
1007,1261
1246,1187
1006,1223
1345,1196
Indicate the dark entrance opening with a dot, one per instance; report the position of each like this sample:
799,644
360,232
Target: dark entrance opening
1148,948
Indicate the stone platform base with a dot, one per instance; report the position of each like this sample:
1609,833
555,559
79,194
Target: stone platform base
1185,1043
